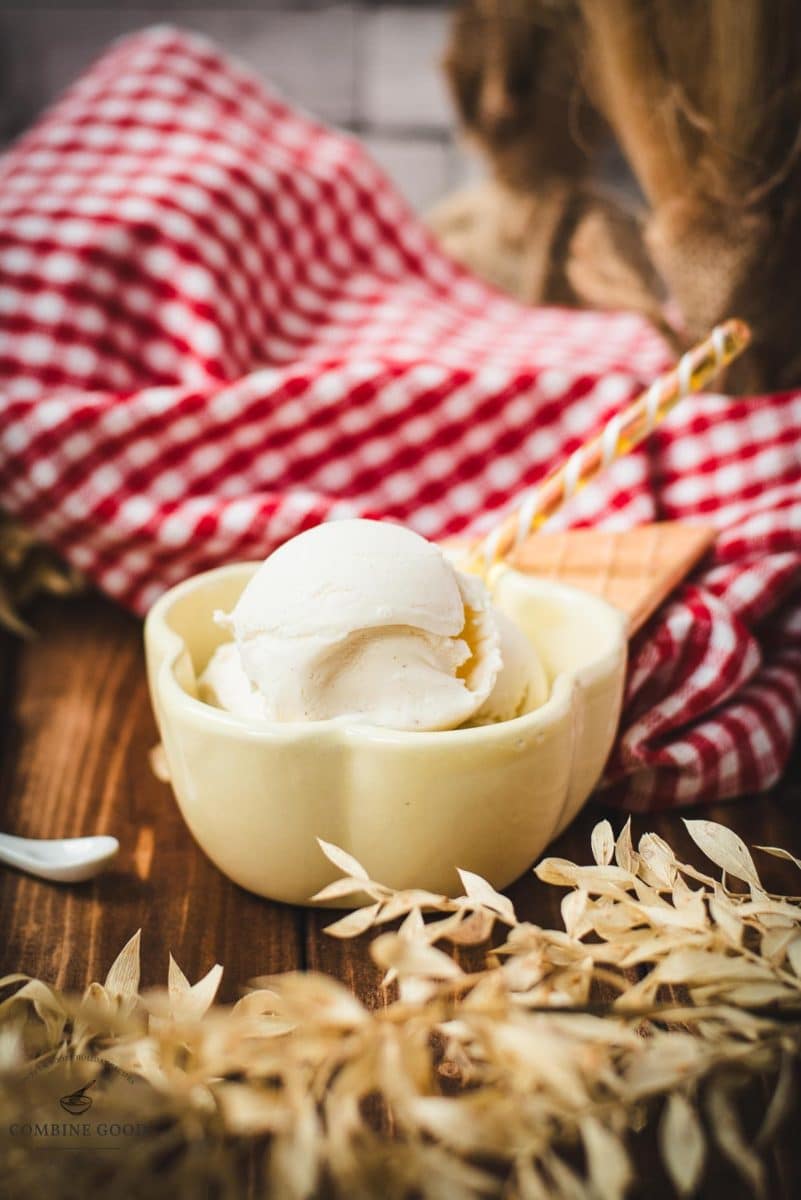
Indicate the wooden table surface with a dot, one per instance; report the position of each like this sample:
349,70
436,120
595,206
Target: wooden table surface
75,739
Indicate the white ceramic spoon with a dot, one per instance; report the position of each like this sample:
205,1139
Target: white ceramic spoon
64,860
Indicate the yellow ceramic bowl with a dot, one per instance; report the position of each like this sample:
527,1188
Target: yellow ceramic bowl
412,807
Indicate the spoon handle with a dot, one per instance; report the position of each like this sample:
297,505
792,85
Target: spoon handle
61,860
15,852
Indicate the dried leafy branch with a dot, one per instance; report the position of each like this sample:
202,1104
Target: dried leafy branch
27,567
668,991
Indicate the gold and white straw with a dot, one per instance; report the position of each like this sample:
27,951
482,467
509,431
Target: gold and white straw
625,430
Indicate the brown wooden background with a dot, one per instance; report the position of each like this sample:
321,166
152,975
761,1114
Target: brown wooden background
76,733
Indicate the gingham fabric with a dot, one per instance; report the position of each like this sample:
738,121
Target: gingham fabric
220,324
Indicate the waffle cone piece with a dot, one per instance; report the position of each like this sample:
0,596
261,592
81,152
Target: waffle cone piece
635,570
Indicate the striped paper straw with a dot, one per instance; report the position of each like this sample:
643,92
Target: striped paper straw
625,430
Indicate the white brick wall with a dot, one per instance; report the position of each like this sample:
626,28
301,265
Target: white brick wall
421,168
375,71
401,81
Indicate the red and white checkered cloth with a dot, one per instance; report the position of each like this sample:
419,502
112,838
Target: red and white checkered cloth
220,325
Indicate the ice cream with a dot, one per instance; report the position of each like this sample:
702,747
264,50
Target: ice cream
368,621
521,684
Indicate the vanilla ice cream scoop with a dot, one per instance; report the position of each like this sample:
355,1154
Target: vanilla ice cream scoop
358,619
521,684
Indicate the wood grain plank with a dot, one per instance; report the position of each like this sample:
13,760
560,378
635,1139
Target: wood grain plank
77,728
75,734
348,961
